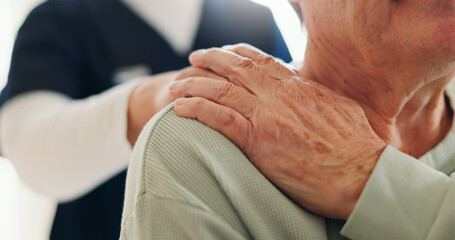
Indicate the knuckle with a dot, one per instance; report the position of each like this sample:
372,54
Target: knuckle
241,46
267,59
223,90
245,63
198,103
227,118
189,81
212,51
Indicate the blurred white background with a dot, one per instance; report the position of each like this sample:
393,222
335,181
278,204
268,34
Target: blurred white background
25,214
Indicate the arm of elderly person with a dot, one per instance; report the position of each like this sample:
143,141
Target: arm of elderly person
321,152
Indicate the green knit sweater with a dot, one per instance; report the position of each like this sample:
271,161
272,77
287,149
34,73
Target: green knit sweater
187,181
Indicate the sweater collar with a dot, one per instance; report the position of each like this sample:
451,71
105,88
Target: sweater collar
442,156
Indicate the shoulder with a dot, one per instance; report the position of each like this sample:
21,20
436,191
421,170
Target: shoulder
51,19
174,156
64,9
178,176
51,33
178,160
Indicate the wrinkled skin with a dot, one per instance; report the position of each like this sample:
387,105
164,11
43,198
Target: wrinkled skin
393,57
314,144
375,73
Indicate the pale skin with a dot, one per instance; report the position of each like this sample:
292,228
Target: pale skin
374,75
152,95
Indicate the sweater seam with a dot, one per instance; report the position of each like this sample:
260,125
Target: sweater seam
143,191
148,143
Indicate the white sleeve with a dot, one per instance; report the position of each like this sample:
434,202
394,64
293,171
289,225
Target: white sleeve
62,147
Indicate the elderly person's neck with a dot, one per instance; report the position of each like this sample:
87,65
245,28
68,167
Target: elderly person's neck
411,117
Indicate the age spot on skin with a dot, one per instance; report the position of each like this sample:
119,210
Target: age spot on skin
321,148
306,136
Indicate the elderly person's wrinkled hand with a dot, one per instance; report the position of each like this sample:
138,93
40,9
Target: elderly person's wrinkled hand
314,144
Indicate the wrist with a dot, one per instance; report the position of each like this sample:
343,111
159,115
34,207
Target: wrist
365,168
146,99
132,131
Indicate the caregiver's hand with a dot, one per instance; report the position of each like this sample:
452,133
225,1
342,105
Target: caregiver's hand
152,95
315,145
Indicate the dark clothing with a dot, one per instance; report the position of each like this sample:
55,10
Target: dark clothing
75,47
